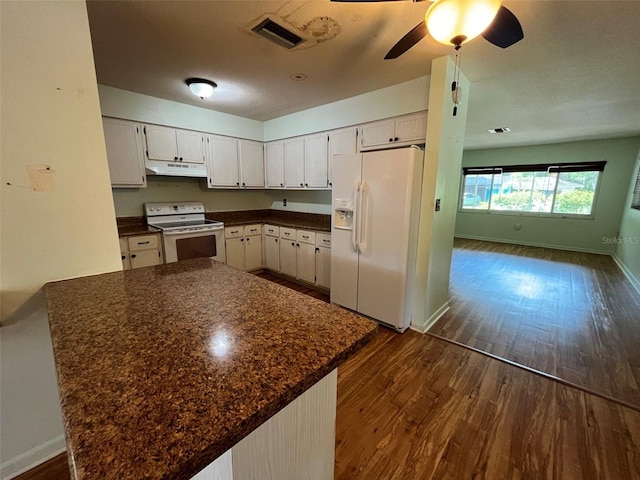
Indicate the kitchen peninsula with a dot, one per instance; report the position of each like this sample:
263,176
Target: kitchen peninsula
161,370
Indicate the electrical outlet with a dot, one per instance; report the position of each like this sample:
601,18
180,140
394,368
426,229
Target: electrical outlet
284,202
437,204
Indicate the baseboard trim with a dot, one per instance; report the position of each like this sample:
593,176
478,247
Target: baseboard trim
32,458
627,273
431,321
533,244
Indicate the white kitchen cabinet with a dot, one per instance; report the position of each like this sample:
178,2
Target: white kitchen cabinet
234,163
274,164
294,163
222,163
341,142
323,260
251,160
271,247
139,251
288,251
316,174
174,145
244,247
394,132
306,256
125,156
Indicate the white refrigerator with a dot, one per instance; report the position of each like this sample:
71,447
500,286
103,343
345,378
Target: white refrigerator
374,232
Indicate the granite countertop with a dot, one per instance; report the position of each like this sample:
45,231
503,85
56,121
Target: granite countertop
163,369
141,229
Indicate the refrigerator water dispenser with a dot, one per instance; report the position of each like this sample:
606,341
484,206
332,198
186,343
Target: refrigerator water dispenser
343,214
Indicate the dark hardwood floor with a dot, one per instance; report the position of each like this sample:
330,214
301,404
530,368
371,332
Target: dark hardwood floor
572,315
413,406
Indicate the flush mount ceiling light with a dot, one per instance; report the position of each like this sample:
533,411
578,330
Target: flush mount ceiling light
201,87
454,22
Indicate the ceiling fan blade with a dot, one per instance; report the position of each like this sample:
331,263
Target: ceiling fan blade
505,30
416,34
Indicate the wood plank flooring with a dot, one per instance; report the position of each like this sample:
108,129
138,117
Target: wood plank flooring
412,406
572,315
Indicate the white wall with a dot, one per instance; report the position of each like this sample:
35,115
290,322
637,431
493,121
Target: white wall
56,223
406,97
627,252
441,178
143,108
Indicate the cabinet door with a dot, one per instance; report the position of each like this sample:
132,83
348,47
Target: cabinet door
235,252
294,163
377,134
161,143
251,164
315,161
190,146
288,257
306,262
222,167
412,128
272,253
323,267
124,153
275,164
341,142
145,258
253,252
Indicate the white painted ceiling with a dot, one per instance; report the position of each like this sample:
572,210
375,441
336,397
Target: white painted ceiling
576,74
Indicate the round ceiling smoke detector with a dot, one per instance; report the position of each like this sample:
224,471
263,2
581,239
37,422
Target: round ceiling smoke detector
298,77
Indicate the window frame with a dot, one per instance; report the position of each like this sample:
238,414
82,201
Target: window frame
557,168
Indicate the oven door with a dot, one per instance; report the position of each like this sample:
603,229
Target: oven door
194,244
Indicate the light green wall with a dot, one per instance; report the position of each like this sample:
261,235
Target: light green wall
566,233
143,108
627,251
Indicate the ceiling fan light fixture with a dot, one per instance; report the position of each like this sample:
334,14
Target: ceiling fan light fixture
200,87
455,22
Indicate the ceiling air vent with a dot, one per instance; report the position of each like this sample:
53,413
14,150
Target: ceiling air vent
277,33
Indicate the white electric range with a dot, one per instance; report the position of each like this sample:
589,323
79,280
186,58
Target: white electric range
186,233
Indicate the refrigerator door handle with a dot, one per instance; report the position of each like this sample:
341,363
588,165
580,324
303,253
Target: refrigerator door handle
363,212
356,197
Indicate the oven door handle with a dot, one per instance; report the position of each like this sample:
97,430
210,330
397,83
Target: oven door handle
209,230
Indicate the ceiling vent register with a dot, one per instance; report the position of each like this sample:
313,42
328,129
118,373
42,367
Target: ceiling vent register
277,34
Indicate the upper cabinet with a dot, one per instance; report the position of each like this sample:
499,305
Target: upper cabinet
123,140
341,142
174,145
394,132
299,162
234,163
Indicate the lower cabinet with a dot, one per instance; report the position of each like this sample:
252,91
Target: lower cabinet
139,251
288,251
244,247
301,254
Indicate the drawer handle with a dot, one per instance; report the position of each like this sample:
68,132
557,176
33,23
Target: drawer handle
234,231
144,243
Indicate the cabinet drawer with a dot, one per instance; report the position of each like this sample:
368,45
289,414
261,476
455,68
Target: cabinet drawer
306,237
252,230
143,242
272,230
287,233
323,240
233,232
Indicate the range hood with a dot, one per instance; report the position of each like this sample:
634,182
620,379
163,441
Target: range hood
175,169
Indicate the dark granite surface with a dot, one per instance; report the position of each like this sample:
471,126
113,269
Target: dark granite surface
128,226
162,369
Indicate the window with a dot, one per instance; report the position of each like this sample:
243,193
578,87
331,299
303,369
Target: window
563,189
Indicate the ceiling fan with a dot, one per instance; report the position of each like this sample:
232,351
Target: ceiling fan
455,22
